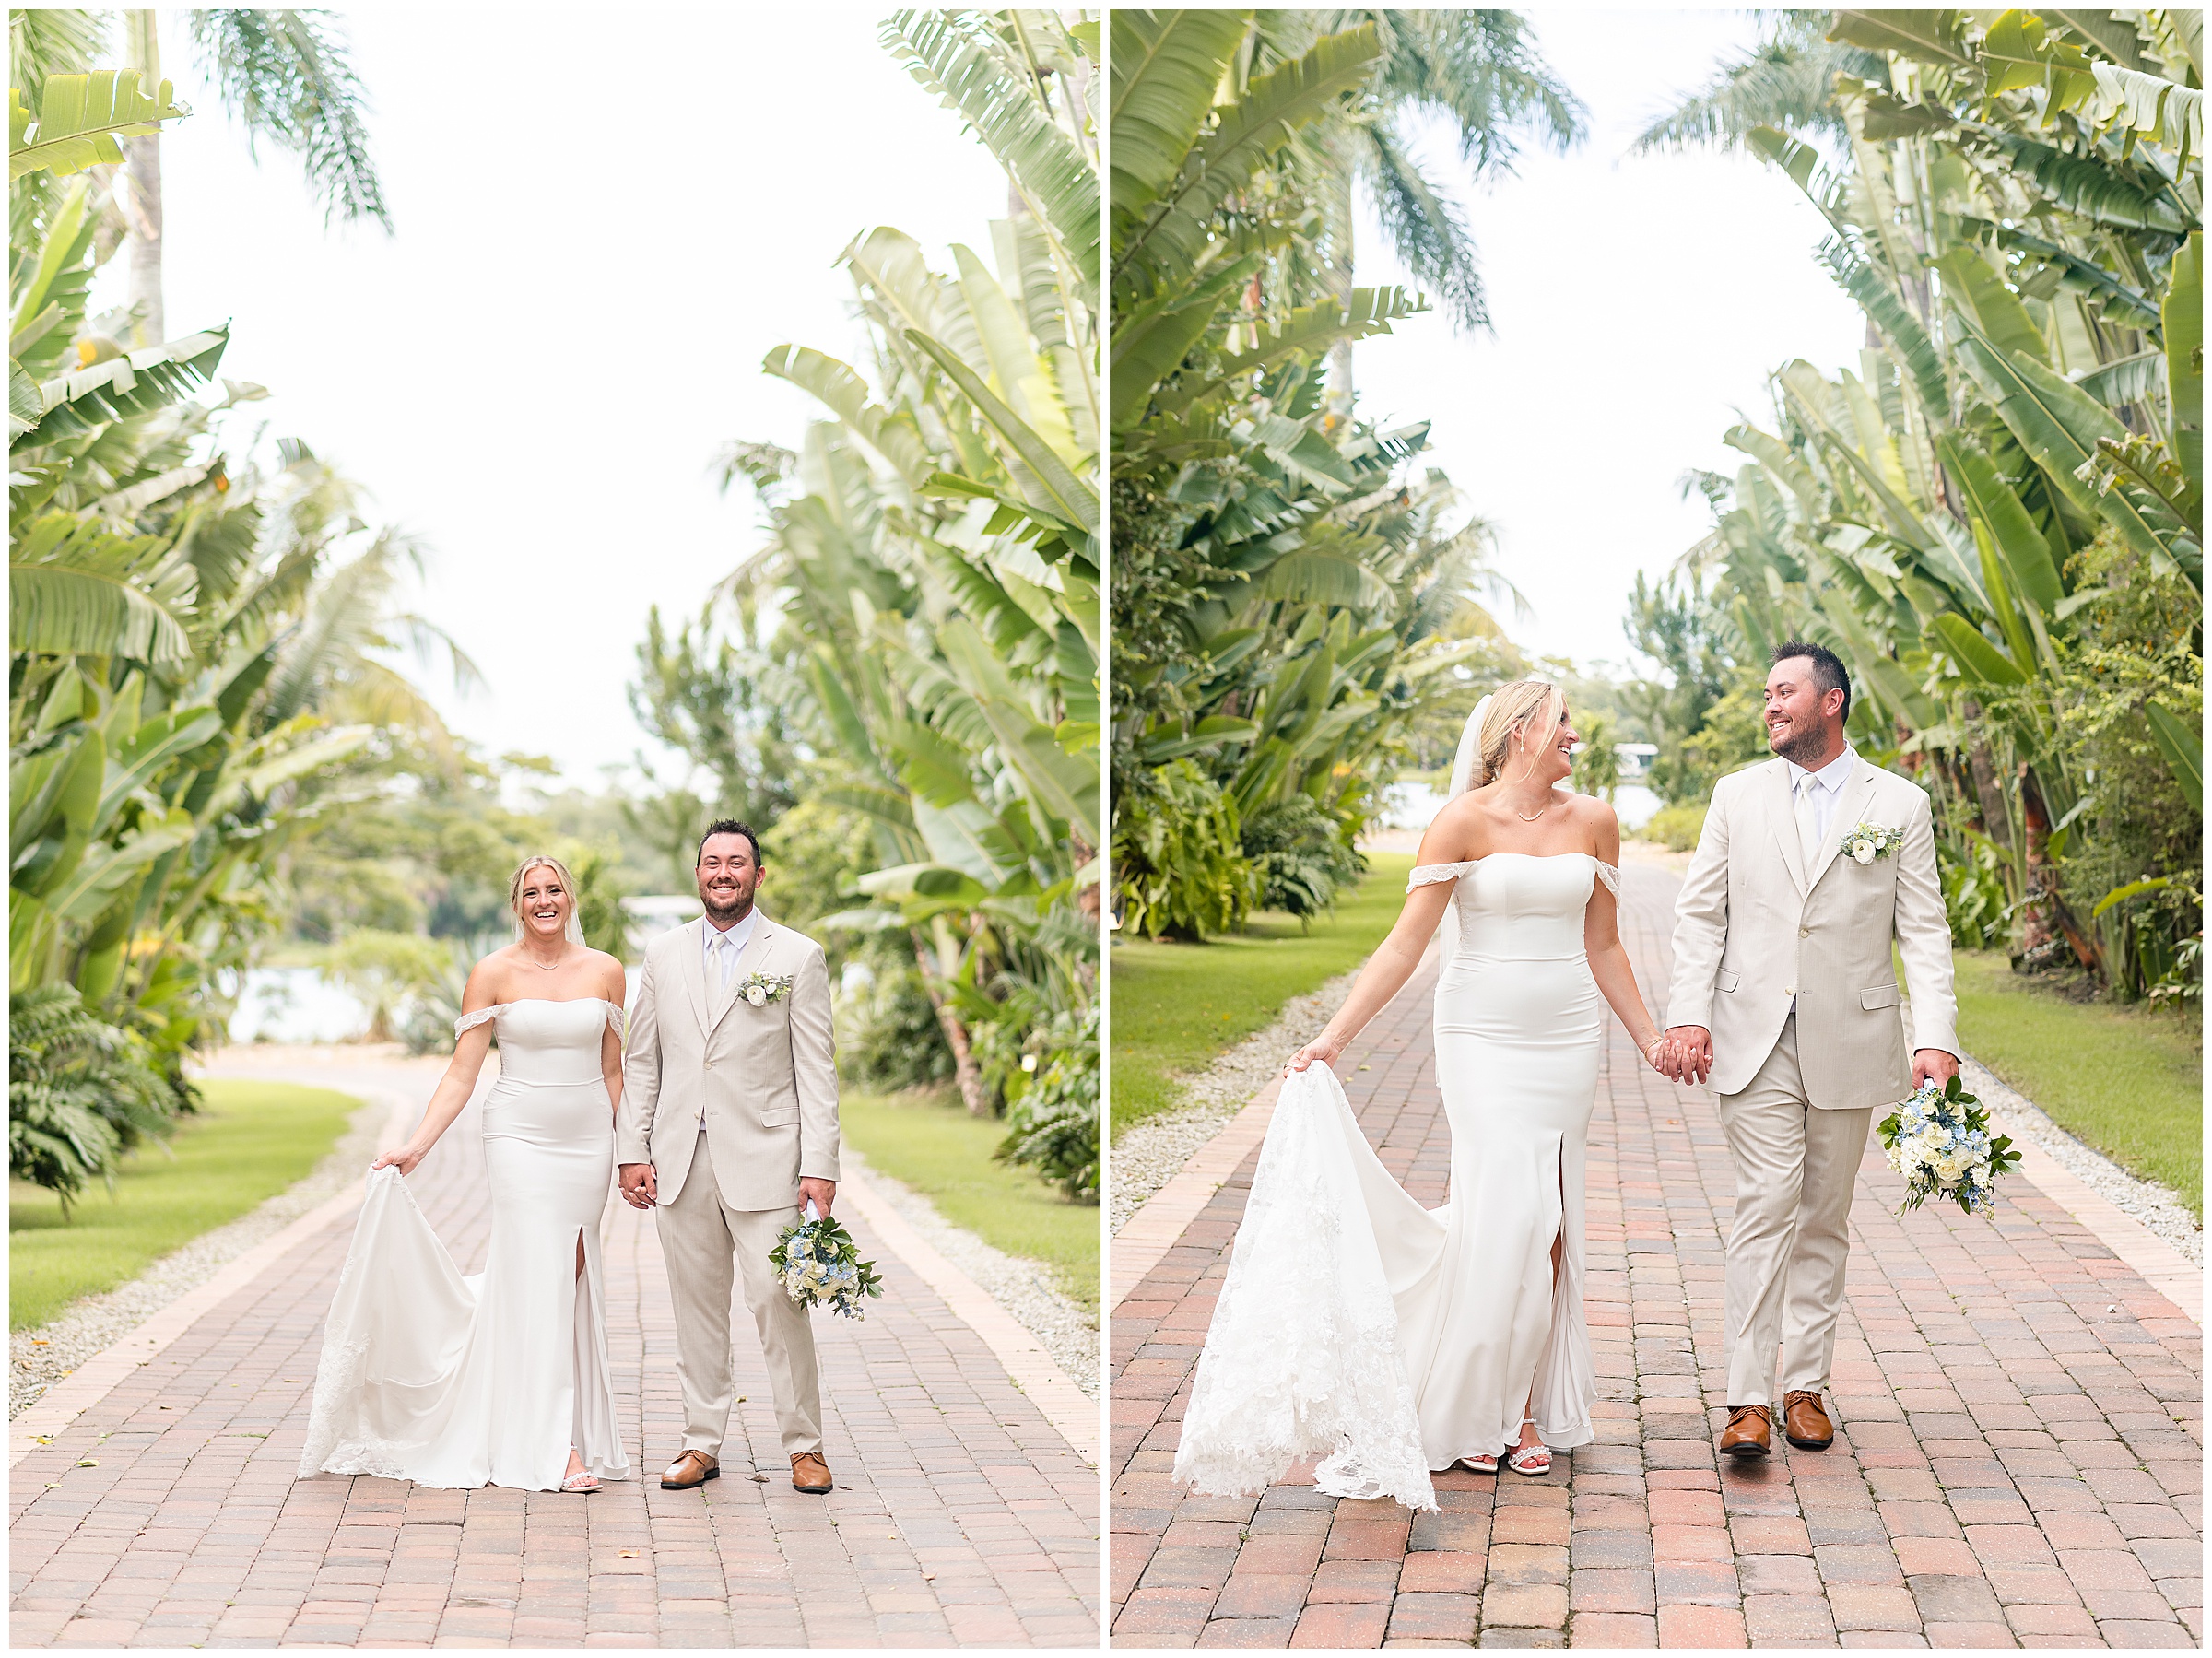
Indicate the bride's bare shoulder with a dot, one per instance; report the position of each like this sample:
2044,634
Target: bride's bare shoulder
1599,821
487,978
1460,832
614,983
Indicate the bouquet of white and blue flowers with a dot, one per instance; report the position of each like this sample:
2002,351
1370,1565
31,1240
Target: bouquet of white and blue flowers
821,1266
1939,1141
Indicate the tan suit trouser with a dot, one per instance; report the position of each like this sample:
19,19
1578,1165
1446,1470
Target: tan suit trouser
1795,1172
706,1246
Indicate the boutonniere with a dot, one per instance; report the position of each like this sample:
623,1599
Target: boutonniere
760,989
1868,841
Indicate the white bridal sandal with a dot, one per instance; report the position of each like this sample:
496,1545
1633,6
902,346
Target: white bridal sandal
1532,1460
582,1482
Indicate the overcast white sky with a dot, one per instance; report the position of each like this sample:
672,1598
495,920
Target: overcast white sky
1638,302
604,220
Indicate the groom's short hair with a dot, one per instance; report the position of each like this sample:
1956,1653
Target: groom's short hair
1828,672
728,826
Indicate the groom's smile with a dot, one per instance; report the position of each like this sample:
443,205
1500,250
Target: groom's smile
728,873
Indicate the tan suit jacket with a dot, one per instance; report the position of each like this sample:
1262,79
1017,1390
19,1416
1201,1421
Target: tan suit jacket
762,1079
1755,927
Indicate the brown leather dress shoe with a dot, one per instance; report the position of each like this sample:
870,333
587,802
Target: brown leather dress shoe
689,1471
1805,1422
1749,1432
810,1473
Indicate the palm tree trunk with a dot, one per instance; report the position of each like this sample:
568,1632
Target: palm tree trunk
142,196
966,1073
1341,275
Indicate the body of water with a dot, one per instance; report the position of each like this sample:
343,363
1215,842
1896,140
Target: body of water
295,1004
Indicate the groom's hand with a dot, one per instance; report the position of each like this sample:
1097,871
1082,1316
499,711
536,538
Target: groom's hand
1932,1065
1691,1047
820,1194
639,1190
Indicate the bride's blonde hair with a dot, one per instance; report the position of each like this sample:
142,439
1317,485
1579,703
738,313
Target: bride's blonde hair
568,884
1513,708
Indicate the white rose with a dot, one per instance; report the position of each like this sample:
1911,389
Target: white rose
1863,853
757,996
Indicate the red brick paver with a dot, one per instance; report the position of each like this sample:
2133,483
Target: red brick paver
2019,1460
168,1515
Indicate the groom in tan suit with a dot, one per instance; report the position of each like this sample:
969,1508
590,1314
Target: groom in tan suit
729,1124
1783,994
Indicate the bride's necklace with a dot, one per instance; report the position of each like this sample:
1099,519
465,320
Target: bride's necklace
552,966
1529,817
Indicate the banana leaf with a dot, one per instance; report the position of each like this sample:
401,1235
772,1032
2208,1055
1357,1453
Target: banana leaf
81,120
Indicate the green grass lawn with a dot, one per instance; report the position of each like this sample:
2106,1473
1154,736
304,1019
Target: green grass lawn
928,1140
1176,1006
2128,1081
248,1140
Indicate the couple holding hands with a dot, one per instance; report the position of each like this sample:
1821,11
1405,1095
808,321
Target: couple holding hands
1399,1340
720,1109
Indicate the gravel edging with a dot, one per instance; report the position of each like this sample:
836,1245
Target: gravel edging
2159,1208
1024,1288
1151,1153
38,1358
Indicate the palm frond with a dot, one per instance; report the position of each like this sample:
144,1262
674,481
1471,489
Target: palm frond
1786,81
1425,227
287,77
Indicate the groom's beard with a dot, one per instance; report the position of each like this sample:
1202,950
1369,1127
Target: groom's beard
1801,747
727,908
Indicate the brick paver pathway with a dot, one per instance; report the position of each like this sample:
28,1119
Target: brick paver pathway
2019,1460
168,1515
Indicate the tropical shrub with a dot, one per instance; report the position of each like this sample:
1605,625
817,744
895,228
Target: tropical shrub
1972,868
889,1035
80,1092
1300,854
1676,826
1180,868
1053,1109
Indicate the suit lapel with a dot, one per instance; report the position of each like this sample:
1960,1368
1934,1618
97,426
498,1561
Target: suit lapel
1781,810
1850,808
694,969
756,952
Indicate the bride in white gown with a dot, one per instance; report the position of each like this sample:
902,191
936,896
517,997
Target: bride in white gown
1355,1324
500,1379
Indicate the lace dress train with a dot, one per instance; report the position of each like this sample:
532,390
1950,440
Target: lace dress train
491,1379
1394,1339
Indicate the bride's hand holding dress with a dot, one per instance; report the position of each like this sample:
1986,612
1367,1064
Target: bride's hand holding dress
1358,1325
504,1378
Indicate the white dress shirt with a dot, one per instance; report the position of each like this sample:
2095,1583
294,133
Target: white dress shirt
1822,789
724,945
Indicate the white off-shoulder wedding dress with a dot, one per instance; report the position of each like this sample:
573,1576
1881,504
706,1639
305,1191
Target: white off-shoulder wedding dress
446,1381
1396,1340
